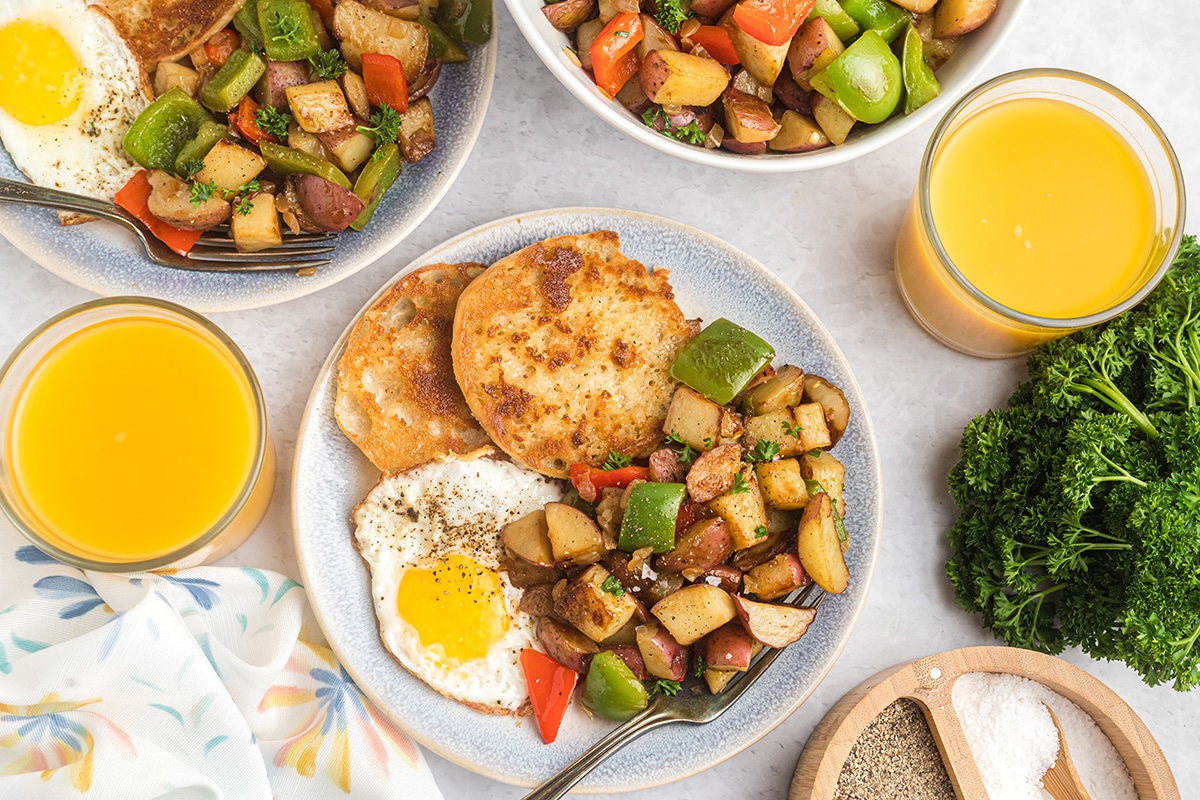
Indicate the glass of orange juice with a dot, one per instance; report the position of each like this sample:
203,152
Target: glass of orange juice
1047,201
134,438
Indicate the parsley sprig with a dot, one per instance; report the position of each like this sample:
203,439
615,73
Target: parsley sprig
273,121
203,192
616,461
384,125
669,688
690,133
791,429
686,455
701,667
328,66
613,586
739,484
761,532
671,14
287,29
764,450
190,166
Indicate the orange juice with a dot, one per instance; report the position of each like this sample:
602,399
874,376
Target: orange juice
134,437
1048,201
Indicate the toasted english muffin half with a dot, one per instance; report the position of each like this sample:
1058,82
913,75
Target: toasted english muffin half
397,398
562,351
163,30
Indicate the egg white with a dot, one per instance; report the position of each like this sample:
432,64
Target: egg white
454,506
81,153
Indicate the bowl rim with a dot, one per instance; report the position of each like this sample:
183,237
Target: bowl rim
528,19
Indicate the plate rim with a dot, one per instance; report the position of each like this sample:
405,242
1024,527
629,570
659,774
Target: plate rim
25,245
430,256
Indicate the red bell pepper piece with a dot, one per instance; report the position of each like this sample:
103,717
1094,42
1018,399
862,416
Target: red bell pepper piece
715,39
133,197
614,53
550,687
220,46
588,481
772,22
246,119
384,78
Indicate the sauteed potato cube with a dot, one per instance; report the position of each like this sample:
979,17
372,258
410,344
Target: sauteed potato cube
782,484
826,470
230,165
820,548
597,613
694,611
319,107
566,645
743,511
833,404
814,433
783,389
773,427
778,577
259,228
416,131
574,538
774,625
663,656
693,418
170,74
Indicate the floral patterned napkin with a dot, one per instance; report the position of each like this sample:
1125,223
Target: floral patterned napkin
211,682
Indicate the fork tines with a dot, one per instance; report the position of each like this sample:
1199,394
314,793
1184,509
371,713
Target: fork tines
298,251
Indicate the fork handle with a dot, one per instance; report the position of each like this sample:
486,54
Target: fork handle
620,736
31,195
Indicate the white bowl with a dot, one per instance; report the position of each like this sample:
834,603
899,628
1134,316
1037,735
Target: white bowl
956,76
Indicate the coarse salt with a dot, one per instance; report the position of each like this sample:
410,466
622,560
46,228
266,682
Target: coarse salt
1013,740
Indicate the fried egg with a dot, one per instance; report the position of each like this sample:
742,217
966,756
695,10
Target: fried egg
431,539
69,90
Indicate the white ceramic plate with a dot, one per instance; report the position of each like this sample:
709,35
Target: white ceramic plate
956,77
107,260
330,476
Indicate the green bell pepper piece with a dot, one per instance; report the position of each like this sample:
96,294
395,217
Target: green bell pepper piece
163,128
920,84
466,20
287,160
720,360
246,23
878,15
865,80
233,81
288,31
841,22
650,516
376,178
206,139
611,689
442,46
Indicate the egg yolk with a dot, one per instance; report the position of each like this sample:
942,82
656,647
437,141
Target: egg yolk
458,604
40,78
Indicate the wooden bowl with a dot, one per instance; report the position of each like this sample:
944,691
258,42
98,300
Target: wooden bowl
929,681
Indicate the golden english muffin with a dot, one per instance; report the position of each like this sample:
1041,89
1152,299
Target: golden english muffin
163,30
397,399
562,351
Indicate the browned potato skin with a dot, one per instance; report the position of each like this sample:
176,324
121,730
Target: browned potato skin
746,149
774,625
747,118
417,137
665,466
710,9
712,473
529,538
328,205
788,92
633,97
523,574
631,656
728,578
272,87
595,612
662,656
819,548
778,577
833,402
538,601
701,547
694,611
956,17
798,133
569,14
171,201
671,77
649,590
784,388
584,37
566,645
767,548
813,47
575,539
728,647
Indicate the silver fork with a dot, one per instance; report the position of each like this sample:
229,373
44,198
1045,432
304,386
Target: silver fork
696,708
214,251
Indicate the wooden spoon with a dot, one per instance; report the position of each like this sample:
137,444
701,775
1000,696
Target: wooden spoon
1061,781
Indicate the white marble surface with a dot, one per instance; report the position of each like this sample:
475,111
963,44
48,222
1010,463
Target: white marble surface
829,235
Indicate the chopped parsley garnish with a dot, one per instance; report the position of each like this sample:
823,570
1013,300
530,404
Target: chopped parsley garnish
203,192
791,429
616,461
708,442
669,688
288,29
328,65
273,121
739,484
671,14
839,523
815,453
761,532
701,666
246,190
613,586
190,166
814,487
384,125
764,450
686,455
686,133
622,34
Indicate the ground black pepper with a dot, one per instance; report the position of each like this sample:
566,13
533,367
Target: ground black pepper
895,758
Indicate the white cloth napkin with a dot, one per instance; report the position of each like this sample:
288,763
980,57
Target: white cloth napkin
211,683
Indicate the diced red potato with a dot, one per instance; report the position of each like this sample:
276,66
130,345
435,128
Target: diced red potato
566,645
814,432
813,48
524,575
674,78
774,624
957,17
763,61
528,538
327,204
575,539
713,472
724,577
272,87
743,512
833,120
632,658
171,201
610,8
538,601
628,633
568,15
778,577
416,136
710,9
647,585
662,656
654,37
728,647
798,133
747,118
597,613
744,148
665,466
633,97
821,467
788,92
819,547
424,83
694,611
774,543
718,679
833,403
703,545
584,36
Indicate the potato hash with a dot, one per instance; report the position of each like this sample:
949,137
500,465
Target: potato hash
301,110
750,76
